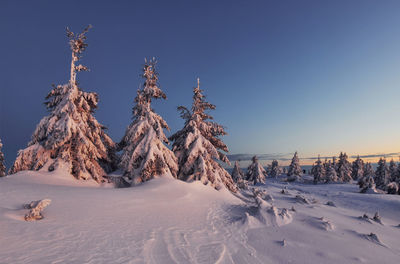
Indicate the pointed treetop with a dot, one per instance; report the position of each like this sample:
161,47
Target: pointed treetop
150,86
78,45
77,41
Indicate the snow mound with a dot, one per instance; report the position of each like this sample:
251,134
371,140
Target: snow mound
325,224
330,203
373,238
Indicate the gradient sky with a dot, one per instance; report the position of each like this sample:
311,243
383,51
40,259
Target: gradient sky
318,77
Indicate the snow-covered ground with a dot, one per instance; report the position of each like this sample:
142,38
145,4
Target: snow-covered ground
170,221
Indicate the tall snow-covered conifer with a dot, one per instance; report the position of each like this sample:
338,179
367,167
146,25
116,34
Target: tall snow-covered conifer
70,134
398,175
255,172
393,170
326,164
2,166
275,169
382,174
367,180
334,164
198,146
358,168
331,175
295,170
344,168
318,171
238,176
145,155
237,173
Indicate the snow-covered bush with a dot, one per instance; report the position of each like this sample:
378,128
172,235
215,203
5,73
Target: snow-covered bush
197,145
392,188
70,134
295,171
318,171
255,172
144,154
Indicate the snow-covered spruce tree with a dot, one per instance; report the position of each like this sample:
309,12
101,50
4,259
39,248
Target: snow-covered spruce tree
331,175
318,171
325,164
344,168
275,169
334,164
393,170
145,155
382,174
2,166
197,145
398,175
255,172
295,171
358,168
237,173
239,177
70,134
367,180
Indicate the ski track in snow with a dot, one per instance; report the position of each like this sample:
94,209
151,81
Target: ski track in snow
216,242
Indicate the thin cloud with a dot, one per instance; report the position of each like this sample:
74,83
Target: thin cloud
246,157
388,155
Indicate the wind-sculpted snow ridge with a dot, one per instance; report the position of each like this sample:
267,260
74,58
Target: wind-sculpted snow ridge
324,224
170,221
373,238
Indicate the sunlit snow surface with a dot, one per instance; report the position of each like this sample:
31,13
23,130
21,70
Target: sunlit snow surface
170,221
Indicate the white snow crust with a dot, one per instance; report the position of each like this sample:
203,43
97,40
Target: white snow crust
170,221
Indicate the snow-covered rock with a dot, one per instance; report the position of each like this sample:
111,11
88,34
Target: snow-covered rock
36,208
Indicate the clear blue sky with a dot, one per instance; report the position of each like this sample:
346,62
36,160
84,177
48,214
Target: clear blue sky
318,77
